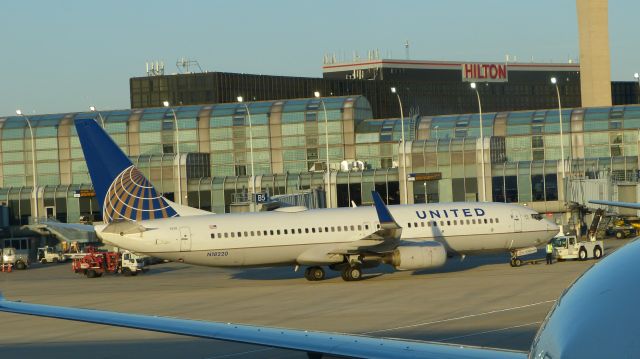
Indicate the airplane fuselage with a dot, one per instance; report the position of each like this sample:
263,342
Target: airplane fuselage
284,236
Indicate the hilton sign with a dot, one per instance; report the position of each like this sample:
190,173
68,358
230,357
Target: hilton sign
484,72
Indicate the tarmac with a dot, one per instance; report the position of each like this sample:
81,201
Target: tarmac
480,300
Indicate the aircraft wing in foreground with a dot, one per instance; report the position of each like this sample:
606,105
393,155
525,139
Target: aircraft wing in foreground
618,204
314,343
596,317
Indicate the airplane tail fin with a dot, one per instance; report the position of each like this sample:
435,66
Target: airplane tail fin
121,189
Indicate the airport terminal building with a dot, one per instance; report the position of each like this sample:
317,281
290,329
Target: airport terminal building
443,155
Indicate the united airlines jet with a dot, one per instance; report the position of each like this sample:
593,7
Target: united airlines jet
408,237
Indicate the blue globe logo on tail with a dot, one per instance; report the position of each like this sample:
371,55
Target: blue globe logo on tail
123,191
131,197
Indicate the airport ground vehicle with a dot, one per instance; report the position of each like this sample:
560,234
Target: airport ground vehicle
49,255
568,247
95,263
9,255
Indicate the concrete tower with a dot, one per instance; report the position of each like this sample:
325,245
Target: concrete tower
595,65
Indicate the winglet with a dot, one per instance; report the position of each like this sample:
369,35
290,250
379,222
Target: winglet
385,217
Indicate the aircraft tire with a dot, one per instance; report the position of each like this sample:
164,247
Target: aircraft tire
597,253
20,265
517,262
511,263
126,272
351,274
316,273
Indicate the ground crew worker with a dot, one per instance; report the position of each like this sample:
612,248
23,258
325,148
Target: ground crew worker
549,253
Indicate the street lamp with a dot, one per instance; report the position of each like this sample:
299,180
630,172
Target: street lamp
240,99
484,188
33,164
175,121
554,81
93,109
326,146
637,77
404,160
436,128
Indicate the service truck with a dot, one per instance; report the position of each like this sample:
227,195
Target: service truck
568,247
49,255
9,255
95,263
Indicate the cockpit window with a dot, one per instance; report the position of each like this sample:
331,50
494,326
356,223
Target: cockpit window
537,216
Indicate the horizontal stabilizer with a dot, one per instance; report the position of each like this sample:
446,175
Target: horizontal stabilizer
124,227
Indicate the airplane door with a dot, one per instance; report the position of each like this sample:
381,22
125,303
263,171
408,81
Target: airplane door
185,239
517,221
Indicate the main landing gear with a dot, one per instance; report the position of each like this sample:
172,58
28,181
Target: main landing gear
349,273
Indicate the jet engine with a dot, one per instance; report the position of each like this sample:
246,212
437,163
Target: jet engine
417,255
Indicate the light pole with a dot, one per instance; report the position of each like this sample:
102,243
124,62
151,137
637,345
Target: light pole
554,81
637,77
326,146
93,109
436,128
253,180
175,122
484,187
33,164
404,160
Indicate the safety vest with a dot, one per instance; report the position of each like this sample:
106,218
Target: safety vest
549,248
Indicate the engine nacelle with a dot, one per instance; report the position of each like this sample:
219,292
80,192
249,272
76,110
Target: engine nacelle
417,255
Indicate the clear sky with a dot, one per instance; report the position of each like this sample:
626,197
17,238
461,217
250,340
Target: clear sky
62,56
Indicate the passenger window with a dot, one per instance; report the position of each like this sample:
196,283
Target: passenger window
213,235
353,228
485,221
233,235
473,221
306,230
441,223
339,229
271,231
333,229
286,231
366,226
313,229
490,220
415,224
359,227
258,233
326,229
226,235
409,225
219,235
277,231
299,230
252,234
346,228
422,224
448,223
455,222
429,224
496,220
239,234
265,233
319,229
246,234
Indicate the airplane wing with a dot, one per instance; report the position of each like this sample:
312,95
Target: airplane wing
314,343
618,204
385,239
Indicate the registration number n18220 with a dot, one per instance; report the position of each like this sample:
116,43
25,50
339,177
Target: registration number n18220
218,254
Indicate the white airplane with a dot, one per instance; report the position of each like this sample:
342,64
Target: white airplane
596,317
409,237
